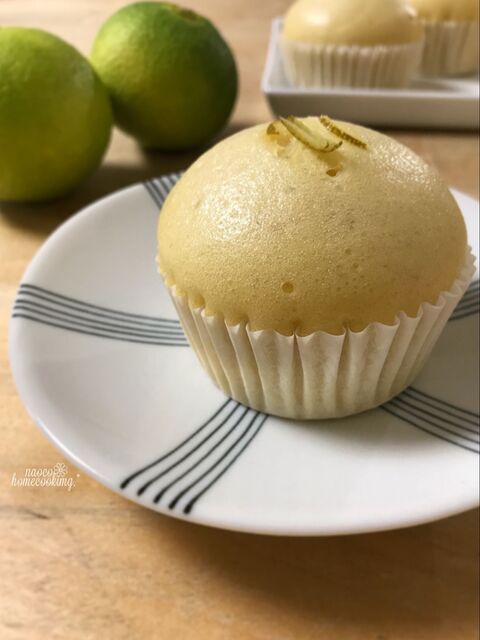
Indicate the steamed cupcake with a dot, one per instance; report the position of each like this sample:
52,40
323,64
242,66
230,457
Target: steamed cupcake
451,36
313,265
351,43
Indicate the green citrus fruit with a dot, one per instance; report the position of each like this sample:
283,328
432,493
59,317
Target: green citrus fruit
171,77
55,116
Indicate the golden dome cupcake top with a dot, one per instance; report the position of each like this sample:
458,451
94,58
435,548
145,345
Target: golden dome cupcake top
461,10
267,230
352,22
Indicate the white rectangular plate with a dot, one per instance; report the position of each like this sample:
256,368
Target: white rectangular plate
440,103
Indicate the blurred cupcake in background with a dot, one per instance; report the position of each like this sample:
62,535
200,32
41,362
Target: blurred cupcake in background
352,43
451,36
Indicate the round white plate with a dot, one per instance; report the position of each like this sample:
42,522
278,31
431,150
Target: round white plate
101,364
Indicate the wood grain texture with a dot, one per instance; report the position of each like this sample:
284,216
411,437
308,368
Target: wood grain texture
87,564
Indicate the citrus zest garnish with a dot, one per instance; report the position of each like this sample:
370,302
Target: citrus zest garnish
272,130
282,138
340,133
312,139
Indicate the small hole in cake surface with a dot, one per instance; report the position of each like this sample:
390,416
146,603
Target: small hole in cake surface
348,252
333,171
287,287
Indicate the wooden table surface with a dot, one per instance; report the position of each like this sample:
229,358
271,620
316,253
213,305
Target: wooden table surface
88,564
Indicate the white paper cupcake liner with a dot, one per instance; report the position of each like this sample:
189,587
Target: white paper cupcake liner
309,65
319,375
451,48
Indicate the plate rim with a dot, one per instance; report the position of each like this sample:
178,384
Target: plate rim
276,530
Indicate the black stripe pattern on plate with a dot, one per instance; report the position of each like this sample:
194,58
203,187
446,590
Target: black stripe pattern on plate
43,306
180,477
159,188
469,305
439,418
